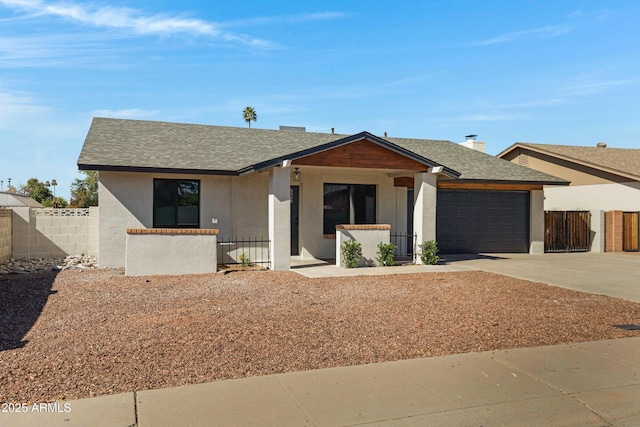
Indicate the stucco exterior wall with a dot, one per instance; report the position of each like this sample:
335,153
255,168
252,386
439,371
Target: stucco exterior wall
126,201
236,206
368,237
536,222
596,199
607,197
5,234
147,254
313,243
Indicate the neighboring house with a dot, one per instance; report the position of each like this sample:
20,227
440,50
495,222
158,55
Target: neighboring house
602,179
294,187
12,199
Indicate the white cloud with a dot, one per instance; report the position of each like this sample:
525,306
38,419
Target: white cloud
593,87
305,17
18,106
536,33
131,20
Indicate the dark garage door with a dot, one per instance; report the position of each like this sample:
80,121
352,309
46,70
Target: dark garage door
471,221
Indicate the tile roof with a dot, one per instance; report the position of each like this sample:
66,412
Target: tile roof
624,161
118,144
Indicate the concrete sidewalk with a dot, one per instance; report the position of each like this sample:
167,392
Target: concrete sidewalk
587,384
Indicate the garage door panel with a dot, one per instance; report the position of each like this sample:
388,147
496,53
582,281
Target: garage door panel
482,221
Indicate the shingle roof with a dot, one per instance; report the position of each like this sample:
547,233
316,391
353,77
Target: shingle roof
473,164
621,161
118,144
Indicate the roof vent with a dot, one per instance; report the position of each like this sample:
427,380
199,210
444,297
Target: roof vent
601,144
294,128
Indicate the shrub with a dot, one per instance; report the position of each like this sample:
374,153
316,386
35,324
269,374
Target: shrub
351,253
428,252
244,260
386,254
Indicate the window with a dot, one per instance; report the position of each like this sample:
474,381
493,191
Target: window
176,203
348,204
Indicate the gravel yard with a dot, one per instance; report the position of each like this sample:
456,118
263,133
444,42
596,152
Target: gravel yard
71,334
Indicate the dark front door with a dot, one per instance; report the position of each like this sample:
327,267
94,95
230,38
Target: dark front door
410,205
295,219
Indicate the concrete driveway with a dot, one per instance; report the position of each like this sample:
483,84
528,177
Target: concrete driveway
613,274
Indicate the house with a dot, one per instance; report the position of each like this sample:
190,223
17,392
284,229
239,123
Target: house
13,199
603,179
295,187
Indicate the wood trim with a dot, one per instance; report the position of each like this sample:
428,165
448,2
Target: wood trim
166,231
403,181
361,154
453,185
406,181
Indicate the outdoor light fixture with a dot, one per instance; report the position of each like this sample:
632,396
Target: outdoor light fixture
297,175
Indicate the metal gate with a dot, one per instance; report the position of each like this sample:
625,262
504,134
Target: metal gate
567,231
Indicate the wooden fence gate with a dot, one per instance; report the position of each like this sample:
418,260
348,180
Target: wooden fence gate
630,225
567,231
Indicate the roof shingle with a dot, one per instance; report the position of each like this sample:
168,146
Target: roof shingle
621,160
137,144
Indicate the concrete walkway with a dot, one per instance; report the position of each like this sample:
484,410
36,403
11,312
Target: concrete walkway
315,268
588,384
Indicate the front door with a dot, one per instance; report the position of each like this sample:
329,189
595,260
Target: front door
295,219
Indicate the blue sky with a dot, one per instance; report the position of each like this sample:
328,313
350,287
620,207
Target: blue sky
555,72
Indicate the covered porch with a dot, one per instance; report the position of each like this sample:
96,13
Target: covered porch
362,181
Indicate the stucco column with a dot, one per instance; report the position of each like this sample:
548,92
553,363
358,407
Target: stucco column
424,210
280,218
536,222
597,231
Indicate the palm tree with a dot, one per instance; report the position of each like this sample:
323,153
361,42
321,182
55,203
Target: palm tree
249,114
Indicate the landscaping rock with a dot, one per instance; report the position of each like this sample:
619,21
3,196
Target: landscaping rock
24,266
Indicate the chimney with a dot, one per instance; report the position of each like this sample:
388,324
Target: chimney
473,144
333,131
601,144
385,134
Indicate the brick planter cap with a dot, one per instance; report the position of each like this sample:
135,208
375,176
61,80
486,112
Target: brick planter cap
363,227
171,231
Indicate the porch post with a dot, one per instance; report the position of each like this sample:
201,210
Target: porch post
536,222
424,210
280,218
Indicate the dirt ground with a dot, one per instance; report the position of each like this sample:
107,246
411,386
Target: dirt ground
73,335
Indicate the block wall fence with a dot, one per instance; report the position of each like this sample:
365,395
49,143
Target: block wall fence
53,233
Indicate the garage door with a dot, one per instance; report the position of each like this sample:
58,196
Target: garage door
482,221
